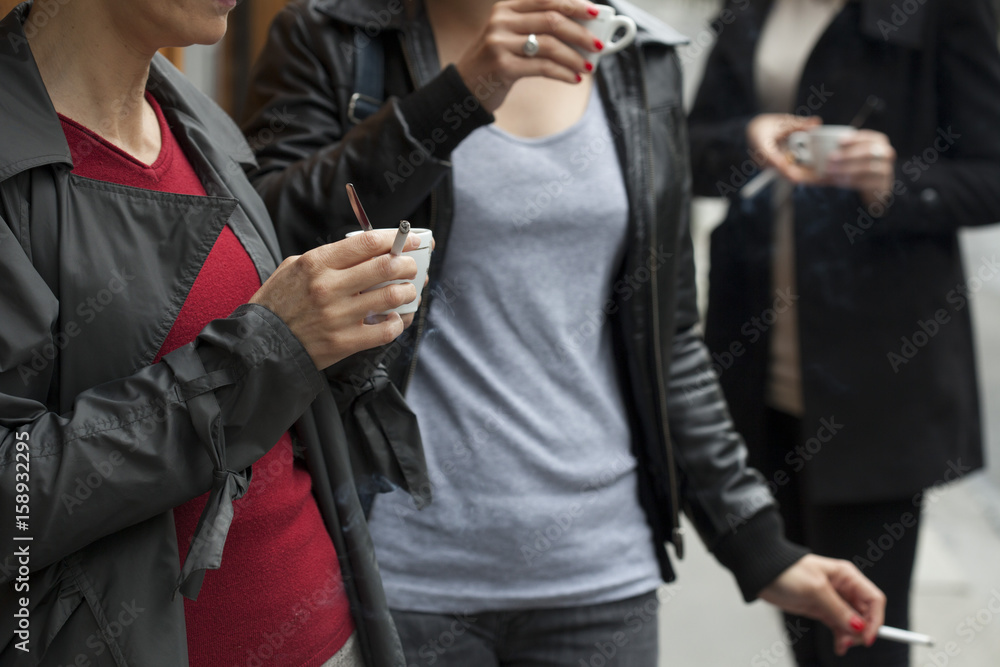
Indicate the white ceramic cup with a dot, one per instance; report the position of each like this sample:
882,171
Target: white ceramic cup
604,27
422,255
813,147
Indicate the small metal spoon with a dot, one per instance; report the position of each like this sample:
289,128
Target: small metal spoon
359,211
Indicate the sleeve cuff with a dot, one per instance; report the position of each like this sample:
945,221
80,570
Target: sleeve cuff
757,552
280,337
443,113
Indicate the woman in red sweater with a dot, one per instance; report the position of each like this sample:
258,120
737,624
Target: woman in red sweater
168,381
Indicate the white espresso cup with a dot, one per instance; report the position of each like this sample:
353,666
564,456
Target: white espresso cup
813,147
422,255
604,27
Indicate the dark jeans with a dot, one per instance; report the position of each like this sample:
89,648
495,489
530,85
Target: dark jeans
615,634
880,538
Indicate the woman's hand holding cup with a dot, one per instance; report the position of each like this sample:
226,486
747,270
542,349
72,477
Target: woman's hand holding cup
318,295
863,160
767,136
504,53
866,162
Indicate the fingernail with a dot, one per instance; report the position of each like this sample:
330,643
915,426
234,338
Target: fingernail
857,624
593,11
579,78
589,67
599,45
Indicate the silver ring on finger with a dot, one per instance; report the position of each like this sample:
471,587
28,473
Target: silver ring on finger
878,152
530,46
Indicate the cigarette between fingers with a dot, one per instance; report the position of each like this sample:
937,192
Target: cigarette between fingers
905,636
400,241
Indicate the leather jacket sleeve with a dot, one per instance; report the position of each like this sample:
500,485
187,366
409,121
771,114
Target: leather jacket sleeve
729,503
308,151
138,446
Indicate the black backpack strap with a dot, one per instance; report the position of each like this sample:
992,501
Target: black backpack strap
369,78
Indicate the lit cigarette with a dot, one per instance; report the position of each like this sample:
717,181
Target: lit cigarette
400,240
905,636
758,183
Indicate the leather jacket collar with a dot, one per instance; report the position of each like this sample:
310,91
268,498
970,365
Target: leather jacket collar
391,14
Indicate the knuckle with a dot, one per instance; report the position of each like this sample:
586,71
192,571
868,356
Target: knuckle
369,243
310,262
384,268
553,20
319,291
390,331
398,294
494,40
407,267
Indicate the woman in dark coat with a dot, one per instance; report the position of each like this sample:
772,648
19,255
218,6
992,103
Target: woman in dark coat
838,308
144,368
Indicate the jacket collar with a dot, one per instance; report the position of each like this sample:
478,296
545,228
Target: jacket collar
31,134
377,15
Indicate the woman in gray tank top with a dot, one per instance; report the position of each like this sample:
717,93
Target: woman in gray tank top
557,338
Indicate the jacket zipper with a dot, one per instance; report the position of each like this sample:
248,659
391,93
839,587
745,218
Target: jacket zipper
677,536
431,224
421,312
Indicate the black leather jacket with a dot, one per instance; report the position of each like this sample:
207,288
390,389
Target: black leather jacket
307,148
92,277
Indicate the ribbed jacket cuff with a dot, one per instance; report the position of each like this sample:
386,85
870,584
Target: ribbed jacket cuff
443,113
757,552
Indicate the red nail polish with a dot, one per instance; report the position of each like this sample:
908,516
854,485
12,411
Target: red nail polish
593,11
579,78
590,68
857,624
599,45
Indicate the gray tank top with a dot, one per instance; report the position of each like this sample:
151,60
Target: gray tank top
520,409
